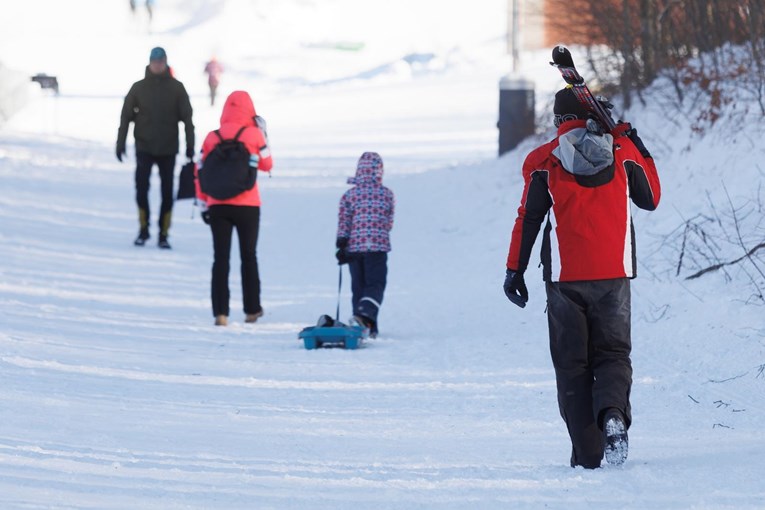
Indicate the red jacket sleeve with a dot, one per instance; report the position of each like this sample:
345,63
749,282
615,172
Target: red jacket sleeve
256,144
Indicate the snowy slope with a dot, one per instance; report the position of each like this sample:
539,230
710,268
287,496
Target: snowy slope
117,392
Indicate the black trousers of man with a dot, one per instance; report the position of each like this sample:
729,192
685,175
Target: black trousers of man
590,345
166,165
246,220
369,273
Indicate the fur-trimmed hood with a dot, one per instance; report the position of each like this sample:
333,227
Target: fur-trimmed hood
582,152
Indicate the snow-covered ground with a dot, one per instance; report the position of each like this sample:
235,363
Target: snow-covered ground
117,392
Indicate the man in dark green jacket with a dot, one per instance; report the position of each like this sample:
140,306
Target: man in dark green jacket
156,104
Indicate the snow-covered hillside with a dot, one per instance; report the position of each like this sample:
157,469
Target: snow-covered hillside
117,392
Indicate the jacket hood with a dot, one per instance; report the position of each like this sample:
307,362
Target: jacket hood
238,109
369,170
582,152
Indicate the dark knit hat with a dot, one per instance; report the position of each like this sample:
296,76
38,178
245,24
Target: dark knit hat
157,54
567,107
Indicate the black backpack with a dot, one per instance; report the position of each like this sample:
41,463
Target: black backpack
226,171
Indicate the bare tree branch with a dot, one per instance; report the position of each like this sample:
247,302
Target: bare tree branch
729,263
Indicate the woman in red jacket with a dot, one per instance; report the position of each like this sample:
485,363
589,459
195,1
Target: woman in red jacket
242,211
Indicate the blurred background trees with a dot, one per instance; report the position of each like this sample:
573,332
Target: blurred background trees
639,40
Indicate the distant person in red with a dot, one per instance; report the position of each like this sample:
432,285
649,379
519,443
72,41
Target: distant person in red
213,69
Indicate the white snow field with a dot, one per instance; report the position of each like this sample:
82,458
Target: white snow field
117,392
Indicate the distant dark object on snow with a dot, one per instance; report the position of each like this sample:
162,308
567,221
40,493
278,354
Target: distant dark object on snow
46,82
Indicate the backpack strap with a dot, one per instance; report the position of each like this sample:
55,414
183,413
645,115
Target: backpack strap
236,136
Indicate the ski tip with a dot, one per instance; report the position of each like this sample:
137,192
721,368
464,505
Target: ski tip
561,57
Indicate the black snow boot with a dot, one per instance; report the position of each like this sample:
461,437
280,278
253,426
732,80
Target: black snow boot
143,235
616,441
163,243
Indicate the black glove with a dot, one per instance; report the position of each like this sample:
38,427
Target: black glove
342,256
515,288
120,151
633,135
605,103
206,216
341,253
190,152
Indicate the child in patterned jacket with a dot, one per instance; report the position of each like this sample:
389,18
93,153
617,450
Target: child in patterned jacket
363,241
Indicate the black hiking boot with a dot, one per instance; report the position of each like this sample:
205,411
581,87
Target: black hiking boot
143,235
616,441
162,243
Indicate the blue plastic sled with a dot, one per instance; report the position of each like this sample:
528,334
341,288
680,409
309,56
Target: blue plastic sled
329,332
332,334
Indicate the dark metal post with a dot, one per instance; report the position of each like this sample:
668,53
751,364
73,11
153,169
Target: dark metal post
516,112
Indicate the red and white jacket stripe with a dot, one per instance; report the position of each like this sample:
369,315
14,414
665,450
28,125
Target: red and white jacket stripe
589,233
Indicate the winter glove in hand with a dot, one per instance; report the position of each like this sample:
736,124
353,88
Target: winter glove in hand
341,253
120,151
633,135
515,288
204,212
605,103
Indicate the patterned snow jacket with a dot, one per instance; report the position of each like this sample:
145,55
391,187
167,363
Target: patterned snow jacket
585,182
237,112
366,210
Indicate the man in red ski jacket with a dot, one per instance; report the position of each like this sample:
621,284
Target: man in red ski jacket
583,182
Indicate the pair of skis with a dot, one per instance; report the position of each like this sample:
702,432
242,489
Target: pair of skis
565,63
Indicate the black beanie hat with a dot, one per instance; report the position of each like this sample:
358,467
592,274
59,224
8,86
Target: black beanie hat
567,107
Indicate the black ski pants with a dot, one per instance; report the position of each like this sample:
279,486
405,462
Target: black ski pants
369,273
166,165
590,345
223,220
